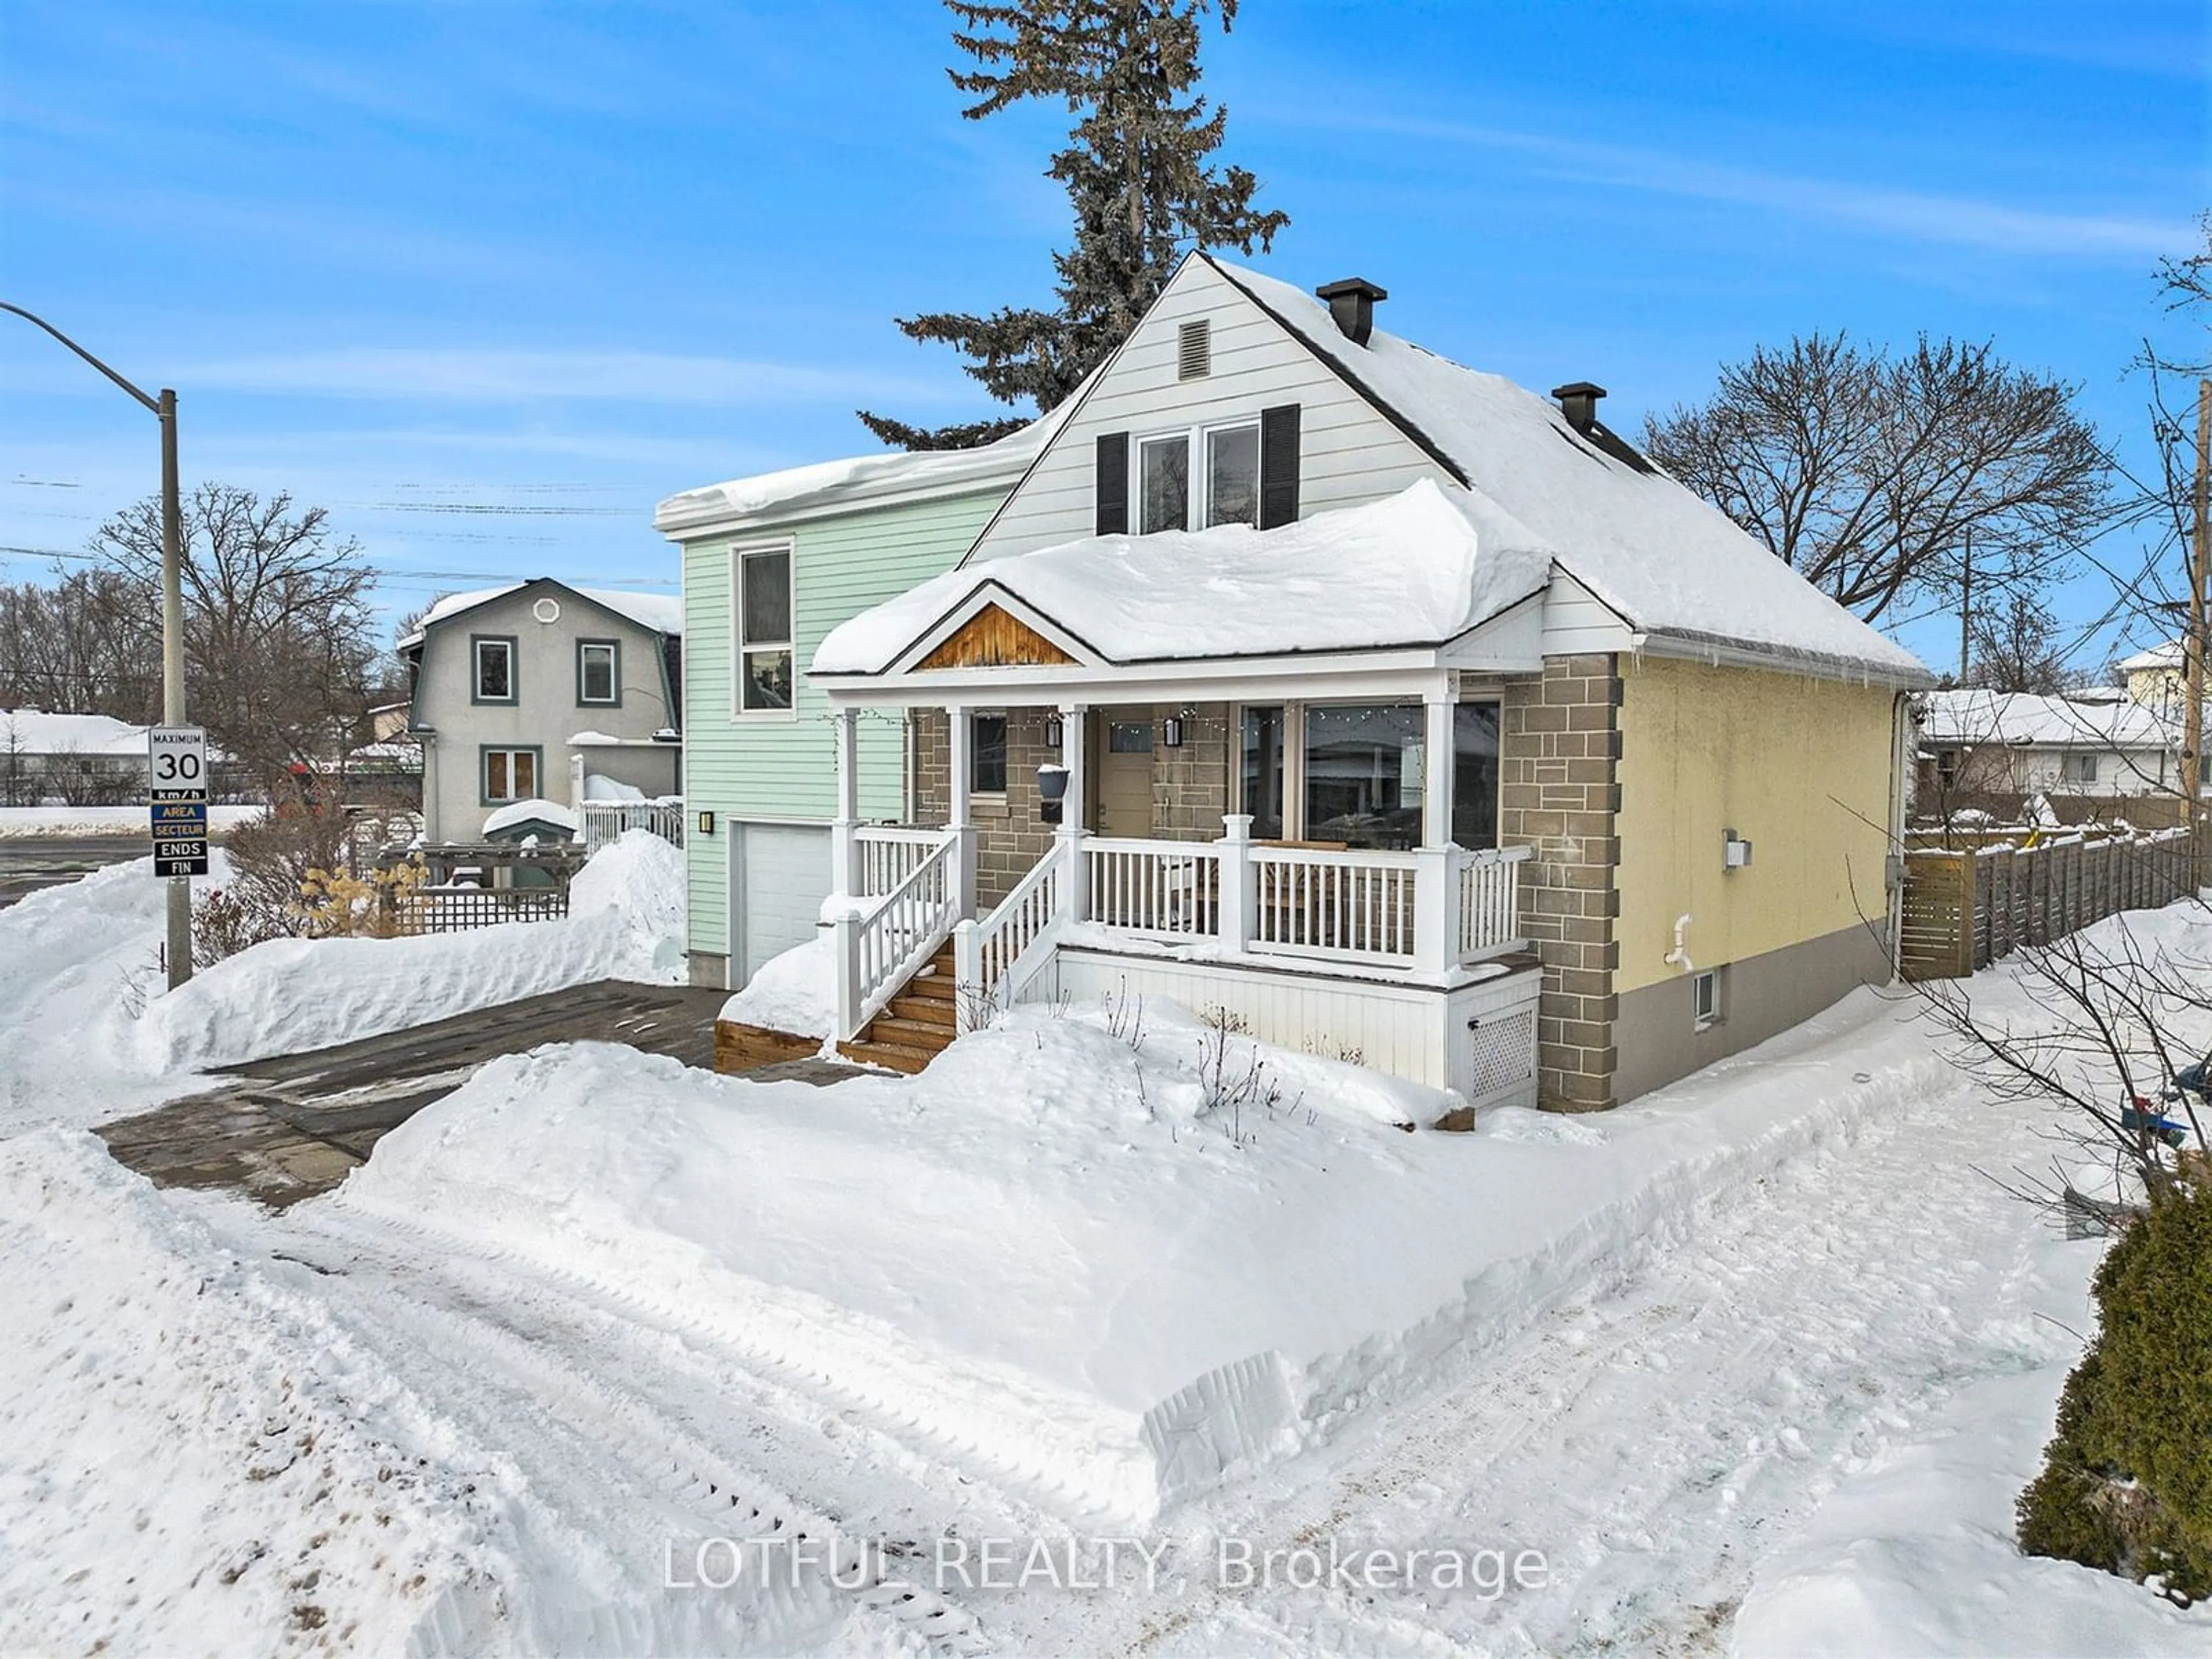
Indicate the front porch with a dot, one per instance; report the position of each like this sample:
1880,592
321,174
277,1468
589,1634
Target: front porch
1406,951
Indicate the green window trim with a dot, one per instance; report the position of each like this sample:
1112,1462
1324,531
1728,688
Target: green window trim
486,750
513,644
613,648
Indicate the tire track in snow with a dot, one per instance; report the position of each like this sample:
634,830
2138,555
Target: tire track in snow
1651,1440
609,1459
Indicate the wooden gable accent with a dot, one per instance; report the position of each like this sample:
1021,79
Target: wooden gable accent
992,638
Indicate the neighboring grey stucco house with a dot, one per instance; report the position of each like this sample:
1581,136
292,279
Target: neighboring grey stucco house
531,690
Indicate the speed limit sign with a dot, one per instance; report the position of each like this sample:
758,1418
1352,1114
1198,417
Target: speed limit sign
177,789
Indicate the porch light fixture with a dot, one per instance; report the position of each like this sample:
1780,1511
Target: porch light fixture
1172,731
705,824
1052,732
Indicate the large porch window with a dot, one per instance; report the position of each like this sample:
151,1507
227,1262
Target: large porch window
1352,773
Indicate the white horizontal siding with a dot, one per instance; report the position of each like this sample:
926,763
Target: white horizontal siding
1575,621
1348,452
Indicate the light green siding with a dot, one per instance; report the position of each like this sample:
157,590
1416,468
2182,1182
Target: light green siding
754,768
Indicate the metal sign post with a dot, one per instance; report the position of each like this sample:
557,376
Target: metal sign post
177,791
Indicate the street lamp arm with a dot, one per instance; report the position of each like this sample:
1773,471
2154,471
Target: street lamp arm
152,406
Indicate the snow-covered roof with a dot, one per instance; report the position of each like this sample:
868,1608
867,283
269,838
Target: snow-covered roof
2021,718
2168,655
1419,568
34,732
661,612
1667,560
858,480
537,811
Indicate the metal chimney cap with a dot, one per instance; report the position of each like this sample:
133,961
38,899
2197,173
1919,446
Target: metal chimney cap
1352,307
1578,389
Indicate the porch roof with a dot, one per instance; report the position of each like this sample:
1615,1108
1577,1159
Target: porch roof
1419,568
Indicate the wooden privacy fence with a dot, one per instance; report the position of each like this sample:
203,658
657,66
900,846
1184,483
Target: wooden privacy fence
1964,910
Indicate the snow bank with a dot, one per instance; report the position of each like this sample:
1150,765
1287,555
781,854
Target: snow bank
193,1460
795,990
1050,1255
625,920
1915,1552
88,1032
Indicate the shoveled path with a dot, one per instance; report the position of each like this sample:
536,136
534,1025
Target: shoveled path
287,1128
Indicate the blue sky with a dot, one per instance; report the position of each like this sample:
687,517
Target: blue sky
489,277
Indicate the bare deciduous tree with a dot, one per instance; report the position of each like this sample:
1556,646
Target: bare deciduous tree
2016,648
279,651
1868,472
58,651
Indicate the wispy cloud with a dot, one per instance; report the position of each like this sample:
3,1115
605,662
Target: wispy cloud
470,375
1909,213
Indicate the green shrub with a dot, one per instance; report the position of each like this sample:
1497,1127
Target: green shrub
2126,1482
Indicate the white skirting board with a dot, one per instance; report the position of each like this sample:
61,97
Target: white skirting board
1479,1039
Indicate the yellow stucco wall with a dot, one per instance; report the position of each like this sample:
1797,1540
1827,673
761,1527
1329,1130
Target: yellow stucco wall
1800,767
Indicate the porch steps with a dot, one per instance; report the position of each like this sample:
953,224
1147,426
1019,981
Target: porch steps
918,1025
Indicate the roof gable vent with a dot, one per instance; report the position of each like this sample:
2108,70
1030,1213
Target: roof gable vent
1194,350
1352,305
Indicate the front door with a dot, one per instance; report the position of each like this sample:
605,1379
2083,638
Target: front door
1125,774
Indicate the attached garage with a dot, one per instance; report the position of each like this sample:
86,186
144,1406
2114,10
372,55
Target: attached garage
779,876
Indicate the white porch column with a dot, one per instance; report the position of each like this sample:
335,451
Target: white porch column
846,876
576,786
958,818
1235,925
1074,733
1437,781
1436,879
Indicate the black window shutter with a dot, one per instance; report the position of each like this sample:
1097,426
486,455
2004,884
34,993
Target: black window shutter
1278,466
1113,483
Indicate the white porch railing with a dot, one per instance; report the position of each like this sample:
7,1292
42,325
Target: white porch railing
878,952
994,958
1489,906
889,854
603,821
1309,902
1164,889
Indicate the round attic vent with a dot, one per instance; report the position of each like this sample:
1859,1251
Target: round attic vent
546,610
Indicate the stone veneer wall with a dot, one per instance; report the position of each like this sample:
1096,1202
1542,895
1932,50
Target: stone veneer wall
1190,785
1558,793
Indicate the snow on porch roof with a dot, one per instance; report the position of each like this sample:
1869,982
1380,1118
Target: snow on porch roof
1419,568
1665,560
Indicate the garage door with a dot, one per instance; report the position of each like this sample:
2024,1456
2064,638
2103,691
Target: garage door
776,889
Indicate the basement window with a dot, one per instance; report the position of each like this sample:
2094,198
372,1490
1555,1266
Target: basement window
1705,1000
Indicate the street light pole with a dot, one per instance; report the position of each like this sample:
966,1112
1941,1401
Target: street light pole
164,409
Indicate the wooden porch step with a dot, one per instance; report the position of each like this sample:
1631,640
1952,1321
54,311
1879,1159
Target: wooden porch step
924,1010
926,1035
934,988
892,1056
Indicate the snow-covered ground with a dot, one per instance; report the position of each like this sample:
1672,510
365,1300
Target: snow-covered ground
1757,1365
105,820
89,1033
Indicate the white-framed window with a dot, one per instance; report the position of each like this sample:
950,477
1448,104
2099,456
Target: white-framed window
598,672
1353,772
1232,475
508,775
1197,478
762,596
1705,1000
2079,769
491,668
1163,484
987,754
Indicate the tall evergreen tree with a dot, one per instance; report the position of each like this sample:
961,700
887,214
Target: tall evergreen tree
1138,173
